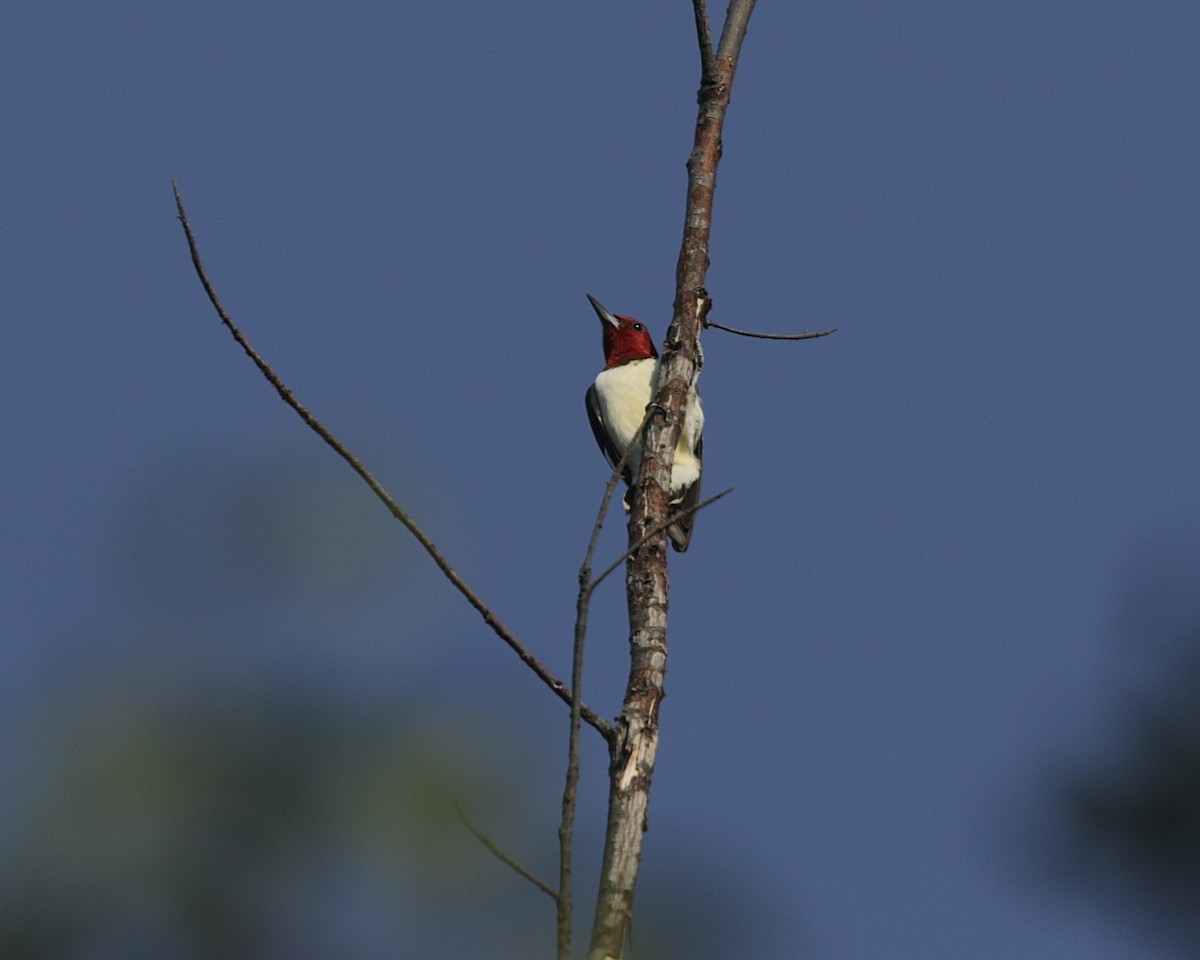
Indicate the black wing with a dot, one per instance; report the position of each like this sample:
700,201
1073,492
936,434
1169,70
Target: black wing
603,441
681,530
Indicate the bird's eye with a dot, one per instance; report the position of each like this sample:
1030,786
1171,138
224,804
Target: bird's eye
639,328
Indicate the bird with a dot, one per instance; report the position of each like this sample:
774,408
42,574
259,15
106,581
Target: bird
616,406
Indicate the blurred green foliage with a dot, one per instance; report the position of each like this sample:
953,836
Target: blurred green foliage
210,782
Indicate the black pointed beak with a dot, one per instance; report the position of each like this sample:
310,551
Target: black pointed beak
604,315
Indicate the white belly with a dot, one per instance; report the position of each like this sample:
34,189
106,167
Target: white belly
623,393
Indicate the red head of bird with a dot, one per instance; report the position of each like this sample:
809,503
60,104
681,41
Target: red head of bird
617,403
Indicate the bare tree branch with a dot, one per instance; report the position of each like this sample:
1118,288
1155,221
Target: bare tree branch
494,849
708,62
288,397
634,749
737,19
566,829
772,336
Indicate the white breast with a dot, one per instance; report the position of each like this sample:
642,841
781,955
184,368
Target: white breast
623,393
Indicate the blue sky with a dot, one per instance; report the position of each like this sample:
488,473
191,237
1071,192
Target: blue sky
919,597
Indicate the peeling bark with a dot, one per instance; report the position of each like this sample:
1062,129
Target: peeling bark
634,747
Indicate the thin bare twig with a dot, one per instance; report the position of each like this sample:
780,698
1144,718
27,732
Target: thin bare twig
708,60
288,397
655,531
771,336
503,857
605,501
737,19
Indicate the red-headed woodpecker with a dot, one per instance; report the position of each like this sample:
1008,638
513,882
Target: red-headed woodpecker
616,405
